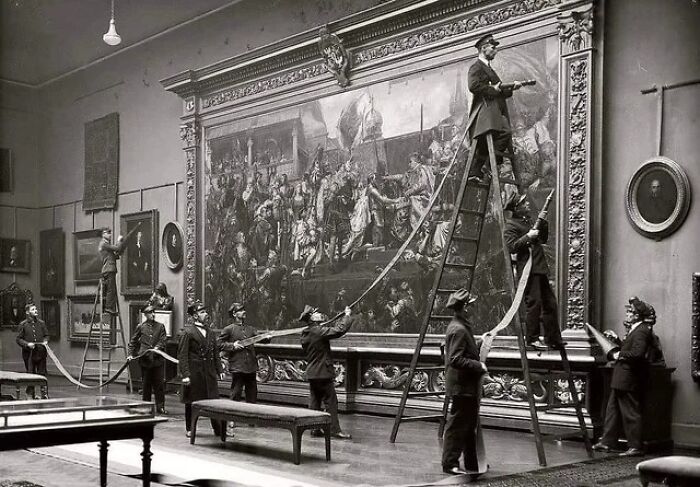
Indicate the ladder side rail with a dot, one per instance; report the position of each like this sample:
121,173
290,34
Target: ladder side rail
577,402
89,337
431,299
124,347
511,284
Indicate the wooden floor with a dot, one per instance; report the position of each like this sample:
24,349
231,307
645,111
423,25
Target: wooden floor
263,456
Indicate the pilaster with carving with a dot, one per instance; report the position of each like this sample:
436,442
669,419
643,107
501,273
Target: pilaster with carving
190,135
576,72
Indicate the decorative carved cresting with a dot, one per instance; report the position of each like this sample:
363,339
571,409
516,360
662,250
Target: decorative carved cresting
576,30
291,370
452,29
189,133
391,376
334,55
695,351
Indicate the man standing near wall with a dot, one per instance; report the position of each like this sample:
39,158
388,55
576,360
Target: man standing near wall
150,335
109,253
33,337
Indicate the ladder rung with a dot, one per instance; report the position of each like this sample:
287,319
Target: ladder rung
441,317
478,185
421,418
103,359
549,407
508,181
425,393
459,266
471,212
428,368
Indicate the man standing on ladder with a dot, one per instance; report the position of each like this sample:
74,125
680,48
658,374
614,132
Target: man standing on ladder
463,371
540,301
109,253
489,111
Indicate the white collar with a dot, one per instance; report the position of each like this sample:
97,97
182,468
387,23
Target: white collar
483,59
634,325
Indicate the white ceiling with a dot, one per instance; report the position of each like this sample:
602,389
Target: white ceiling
42,39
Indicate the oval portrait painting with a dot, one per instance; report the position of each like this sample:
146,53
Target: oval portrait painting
173,245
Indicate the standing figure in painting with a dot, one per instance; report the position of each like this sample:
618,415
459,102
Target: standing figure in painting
489,110
418,184
139,261
33,337
109,253
198,364
150,335
316,342
463,371
628,381
540,301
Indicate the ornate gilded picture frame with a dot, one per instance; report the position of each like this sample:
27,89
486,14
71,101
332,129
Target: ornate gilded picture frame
172,245
658,197
139,262
15,255
12,302
87,263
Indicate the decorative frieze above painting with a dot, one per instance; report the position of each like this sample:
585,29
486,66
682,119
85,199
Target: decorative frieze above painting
270,135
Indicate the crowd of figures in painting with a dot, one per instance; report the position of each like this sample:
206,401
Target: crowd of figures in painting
306,205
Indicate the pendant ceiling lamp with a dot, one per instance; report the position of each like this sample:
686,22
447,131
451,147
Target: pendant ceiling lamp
111,37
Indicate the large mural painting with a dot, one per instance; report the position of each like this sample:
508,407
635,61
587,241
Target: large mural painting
306,205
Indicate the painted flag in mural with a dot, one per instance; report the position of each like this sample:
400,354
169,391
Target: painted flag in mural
351,120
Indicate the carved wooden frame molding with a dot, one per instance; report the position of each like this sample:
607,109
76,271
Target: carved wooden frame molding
392,33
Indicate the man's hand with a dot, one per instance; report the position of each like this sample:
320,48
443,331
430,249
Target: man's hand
517,85
129,358
120,238
185,381
484,368
30,345
533,234
222,376
616,355
347,311
237,345
497,86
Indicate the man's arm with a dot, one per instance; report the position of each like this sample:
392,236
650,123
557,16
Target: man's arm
223,341
338,329
134,342
480,84
183,350
640,342
515,241
544,232
161,337
20,338
456,356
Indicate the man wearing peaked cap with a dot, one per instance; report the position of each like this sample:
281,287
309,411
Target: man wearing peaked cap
198,364
316,342
489,111
150,335
628,381
242,361
463,371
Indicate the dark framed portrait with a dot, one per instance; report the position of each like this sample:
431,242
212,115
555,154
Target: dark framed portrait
87,263
52,248
140,256
82,315
51,315
6,170
15,255
172,245
658,197
12,302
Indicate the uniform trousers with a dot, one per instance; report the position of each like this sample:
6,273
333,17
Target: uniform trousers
33,366
153,378
623,407
109,291
502,143
247,381
540,303
460,433
322,392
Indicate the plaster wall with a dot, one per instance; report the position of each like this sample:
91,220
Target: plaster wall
652,42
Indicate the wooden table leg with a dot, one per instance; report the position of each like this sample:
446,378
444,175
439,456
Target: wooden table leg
327,435
103,463
146,462
296,439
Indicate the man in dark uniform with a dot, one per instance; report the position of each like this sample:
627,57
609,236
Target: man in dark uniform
540,302
315,340
242,362
150,335
32,337
628,378
489,110
109,253
199,364
463,371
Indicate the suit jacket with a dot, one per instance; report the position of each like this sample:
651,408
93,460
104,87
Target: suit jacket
149,334
463,368
489,110
241,361
109,253
515,235
198,359
32,331
631,367
316,343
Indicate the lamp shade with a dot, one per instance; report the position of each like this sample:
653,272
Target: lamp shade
111,37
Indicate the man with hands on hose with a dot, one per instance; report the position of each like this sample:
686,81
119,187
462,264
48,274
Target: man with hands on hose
199,364
32,336
150,335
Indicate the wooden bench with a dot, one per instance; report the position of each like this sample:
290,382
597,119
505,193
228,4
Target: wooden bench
296,420
23,379
675,470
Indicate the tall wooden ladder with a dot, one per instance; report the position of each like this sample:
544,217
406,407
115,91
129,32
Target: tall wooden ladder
103,341
456,270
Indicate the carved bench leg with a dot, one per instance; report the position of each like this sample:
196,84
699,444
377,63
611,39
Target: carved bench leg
193,425
296,439
327,435
224,425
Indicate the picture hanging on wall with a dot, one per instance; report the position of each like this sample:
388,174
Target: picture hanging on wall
6,185
51,315
12,302
15,255
52,245
87,263
139,271
172,245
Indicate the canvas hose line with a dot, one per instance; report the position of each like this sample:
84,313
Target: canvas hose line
114,377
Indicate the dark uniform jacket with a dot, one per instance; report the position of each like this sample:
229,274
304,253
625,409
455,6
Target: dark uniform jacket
109,253
149,334
515,235
199,360
631,367
463,369
241,361
315,341
489,110
33,331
